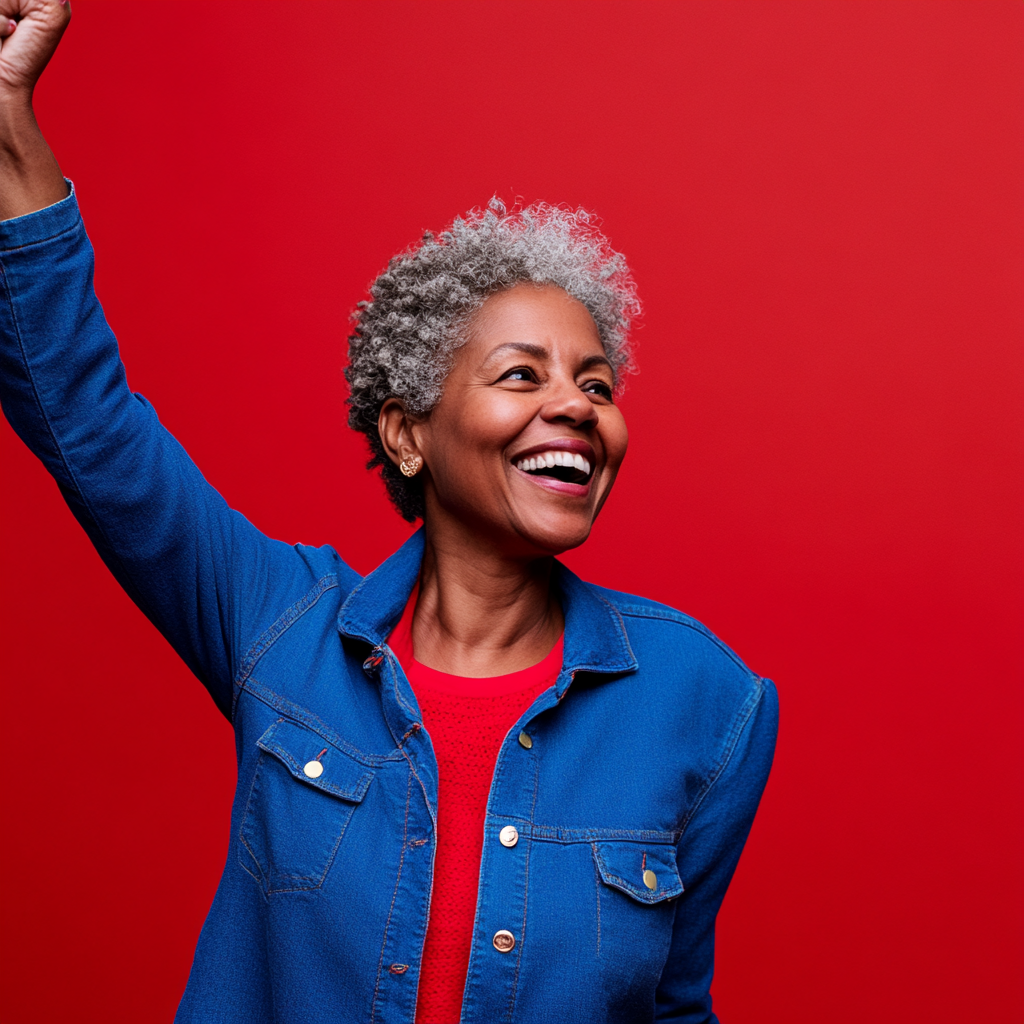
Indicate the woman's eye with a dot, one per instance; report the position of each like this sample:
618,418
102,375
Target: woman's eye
520,373
598,387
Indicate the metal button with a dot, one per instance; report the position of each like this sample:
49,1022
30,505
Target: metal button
650,879
398,968
313,769
504,941
509,835
525,741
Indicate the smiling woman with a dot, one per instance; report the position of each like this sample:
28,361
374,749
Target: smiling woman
529,393
470,785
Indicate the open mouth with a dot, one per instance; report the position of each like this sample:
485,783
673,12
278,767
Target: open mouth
568,467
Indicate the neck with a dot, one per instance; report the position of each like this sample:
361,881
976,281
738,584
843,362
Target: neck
480,612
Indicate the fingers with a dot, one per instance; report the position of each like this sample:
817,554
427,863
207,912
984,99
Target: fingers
43,11
29,33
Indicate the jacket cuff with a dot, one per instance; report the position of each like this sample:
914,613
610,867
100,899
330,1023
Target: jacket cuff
42,224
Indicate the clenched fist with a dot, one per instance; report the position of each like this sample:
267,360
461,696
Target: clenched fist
29,175
29,33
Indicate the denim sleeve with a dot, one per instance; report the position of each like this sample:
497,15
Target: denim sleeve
707,857
183,556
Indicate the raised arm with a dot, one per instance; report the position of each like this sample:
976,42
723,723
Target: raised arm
201,572
30,178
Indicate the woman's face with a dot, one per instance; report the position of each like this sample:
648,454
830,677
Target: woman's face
526,441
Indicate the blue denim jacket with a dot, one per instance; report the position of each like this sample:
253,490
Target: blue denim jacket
632,782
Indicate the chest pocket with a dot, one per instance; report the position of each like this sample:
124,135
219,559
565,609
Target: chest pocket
302,797
647,873
637,886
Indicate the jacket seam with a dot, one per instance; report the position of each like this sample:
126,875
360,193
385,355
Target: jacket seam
676,618
277,629
739,724
69,230
263,883
301,716
394,896
574,836
526,895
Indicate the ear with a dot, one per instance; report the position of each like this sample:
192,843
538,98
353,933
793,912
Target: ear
396,426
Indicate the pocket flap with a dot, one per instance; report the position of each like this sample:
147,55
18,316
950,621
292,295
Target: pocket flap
647,872
314,761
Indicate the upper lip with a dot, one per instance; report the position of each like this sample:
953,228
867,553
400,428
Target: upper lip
560,444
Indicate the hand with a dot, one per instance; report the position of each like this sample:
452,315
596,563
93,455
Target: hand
29,175
29,33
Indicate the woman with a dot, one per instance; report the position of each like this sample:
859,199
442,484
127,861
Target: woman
469,784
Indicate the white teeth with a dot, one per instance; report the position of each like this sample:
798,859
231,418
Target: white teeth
552,459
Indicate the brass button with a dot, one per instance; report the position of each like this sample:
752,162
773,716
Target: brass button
650,879
525,741
504,941
509,835
313,769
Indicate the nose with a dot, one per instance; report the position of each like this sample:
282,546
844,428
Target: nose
565,403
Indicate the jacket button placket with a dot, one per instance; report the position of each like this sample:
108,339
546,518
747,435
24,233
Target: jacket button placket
394,999
504,867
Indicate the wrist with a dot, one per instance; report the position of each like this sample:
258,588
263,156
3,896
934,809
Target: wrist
30,178
20,136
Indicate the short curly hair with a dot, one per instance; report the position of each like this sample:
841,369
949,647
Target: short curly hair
406,335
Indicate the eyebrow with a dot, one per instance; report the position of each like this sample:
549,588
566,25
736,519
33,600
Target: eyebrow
596,360
539,352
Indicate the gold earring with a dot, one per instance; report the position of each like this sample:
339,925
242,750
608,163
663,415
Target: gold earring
411,466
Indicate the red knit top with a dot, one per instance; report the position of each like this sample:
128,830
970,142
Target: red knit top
467,720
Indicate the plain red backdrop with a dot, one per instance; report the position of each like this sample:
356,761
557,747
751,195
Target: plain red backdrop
822,204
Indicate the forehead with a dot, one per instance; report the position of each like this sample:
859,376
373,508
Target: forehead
542,315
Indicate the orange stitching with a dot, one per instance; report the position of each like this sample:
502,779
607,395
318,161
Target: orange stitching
414,728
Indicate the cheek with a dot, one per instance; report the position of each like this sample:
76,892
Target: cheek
615,436
470,436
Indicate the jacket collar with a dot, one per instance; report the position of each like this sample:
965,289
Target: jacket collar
595,635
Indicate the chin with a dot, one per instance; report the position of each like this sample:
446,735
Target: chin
554,538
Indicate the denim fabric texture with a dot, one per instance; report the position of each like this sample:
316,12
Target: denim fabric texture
632,802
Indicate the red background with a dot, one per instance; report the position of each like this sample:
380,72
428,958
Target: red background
822,205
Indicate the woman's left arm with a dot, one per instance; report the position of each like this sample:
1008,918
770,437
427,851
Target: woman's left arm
707,856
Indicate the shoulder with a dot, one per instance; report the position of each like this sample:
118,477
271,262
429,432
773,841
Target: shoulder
300,582
656,623
304,588
676,652
324,563
706,691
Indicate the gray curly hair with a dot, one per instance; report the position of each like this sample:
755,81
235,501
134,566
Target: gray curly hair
405,337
